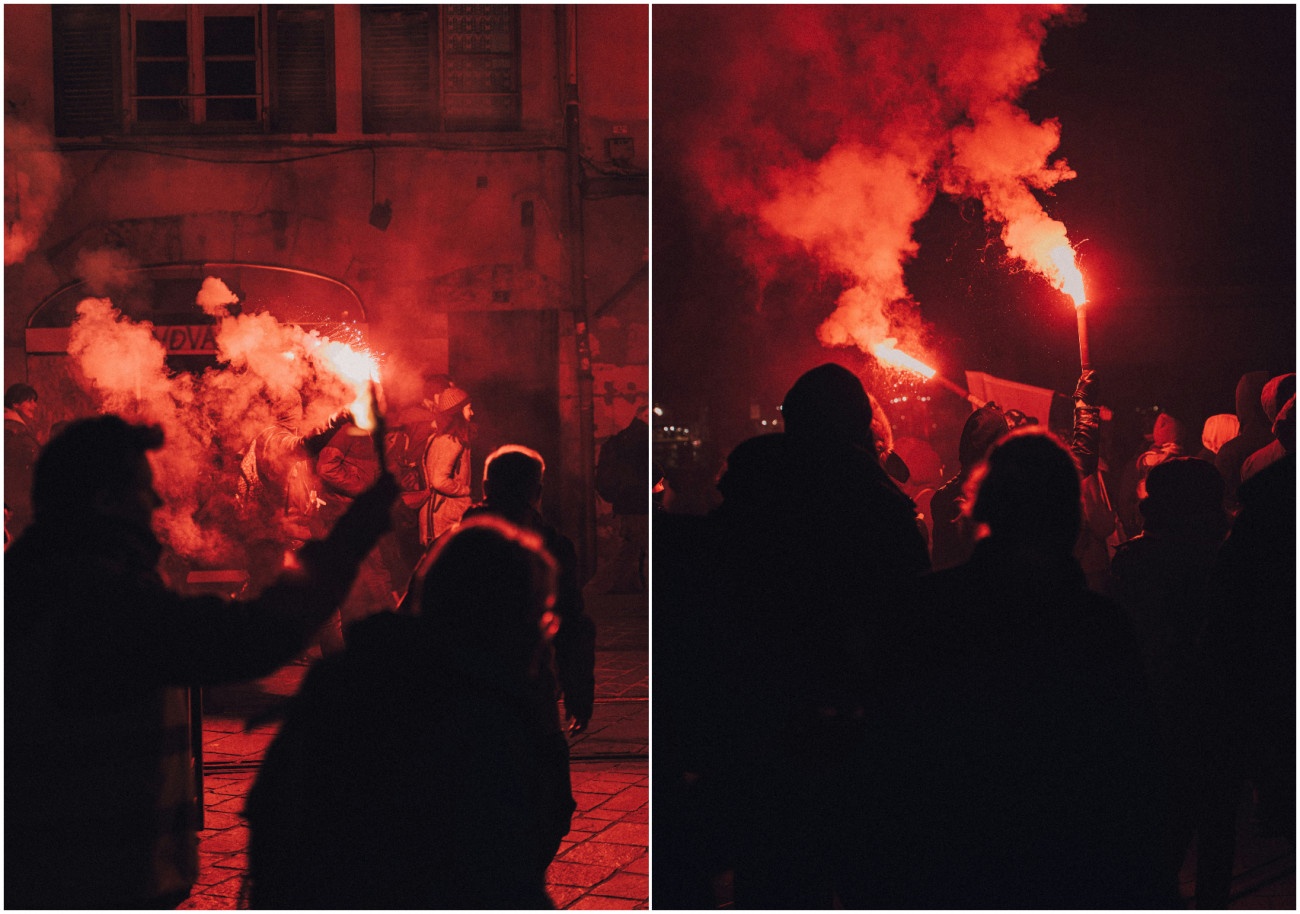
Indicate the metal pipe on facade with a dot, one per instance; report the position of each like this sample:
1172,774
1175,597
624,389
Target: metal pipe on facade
568,18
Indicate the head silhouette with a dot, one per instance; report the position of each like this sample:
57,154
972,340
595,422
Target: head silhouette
491,586
97,466
1184,495
512,476
1027,492
829,405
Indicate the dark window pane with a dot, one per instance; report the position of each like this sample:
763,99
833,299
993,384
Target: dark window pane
230,77
153,110
232,109
228,36
161,77
159,39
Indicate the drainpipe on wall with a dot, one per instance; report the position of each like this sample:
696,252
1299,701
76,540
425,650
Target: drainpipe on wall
578,284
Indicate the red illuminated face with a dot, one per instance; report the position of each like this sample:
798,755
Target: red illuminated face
26,409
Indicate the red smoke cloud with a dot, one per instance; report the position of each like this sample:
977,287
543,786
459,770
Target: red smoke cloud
210,418
35,180
833,127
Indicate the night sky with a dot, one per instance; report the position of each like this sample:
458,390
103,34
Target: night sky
1180,124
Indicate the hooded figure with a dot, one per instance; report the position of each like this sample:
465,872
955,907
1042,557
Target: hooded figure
1218,430
952,542
1254,433
1277,393
803,558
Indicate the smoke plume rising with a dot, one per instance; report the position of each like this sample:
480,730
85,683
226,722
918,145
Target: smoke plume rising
35,179
833,128
208,420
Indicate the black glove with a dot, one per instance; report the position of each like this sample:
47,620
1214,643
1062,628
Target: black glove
1086,389
315,441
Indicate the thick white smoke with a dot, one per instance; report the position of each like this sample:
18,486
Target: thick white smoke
208,420
833,127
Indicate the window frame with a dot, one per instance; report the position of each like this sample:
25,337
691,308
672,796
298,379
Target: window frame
196,98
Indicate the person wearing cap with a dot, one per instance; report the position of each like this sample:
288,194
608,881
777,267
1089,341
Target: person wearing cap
446,464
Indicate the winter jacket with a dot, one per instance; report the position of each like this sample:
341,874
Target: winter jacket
623,469
1010,746
446,472
278,484
99,795
409,773
575,641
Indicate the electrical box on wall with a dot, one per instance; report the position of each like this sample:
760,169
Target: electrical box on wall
621,150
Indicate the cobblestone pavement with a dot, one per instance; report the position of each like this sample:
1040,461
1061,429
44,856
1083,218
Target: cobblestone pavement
603,862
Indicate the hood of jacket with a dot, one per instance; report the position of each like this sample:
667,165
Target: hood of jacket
1250,410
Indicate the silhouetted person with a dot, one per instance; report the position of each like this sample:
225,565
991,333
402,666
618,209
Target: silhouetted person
1253,432
810,544
952,543
1250,649
623,480
278,489
99,798
422,768
446,465
1160,578
1009,762
512,486
21,448
1275,396
349,463
1217,431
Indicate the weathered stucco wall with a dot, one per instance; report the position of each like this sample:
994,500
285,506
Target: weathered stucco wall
480,228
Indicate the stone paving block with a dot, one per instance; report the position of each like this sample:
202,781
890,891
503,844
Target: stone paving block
625,885
601,812
564,895
230,841
640,865
585,824
628,799
234,861
210,875
602,903
626,777
586,801
240,744
233,805
579,874
638,816
602,853
206,903
598,785
215,821
228,889
627,833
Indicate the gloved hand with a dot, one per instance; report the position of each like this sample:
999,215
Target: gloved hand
1086,389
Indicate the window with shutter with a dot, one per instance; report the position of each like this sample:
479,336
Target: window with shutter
398,69
87,54
302,68
480,67
440,68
